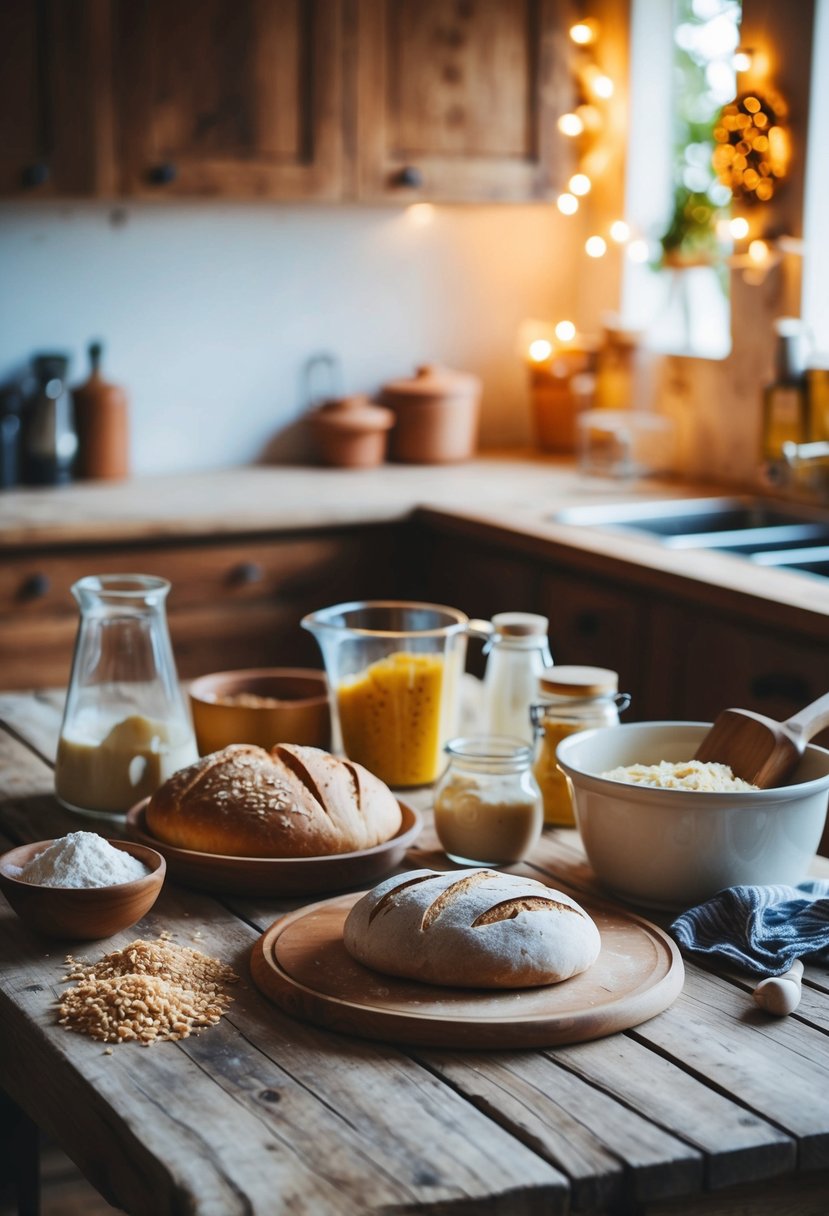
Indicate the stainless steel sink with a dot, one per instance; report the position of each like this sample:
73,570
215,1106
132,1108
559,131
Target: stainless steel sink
768,532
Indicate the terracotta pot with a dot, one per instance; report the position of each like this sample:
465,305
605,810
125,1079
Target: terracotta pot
351,432
437,413
262,705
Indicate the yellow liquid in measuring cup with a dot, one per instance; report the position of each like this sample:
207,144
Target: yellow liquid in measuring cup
391,716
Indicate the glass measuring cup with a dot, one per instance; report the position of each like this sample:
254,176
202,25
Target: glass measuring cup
394,670
126,727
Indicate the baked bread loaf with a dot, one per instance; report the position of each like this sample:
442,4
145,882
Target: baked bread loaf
471,929
290,802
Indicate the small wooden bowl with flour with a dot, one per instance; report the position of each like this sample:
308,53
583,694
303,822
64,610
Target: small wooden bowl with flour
102,896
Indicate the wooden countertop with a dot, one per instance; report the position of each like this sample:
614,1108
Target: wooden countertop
709,1106
512,497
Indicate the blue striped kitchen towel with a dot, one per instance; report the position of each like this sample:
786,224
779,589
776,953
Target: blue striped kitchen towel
763,929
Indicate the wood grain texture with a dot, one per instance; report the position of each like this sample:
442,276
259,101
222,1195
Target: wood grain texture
466,96
301,963
241,100
683,1114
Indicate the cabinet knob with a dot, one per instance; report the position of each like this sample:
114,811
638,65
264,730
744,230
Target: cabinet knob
587,624
163,174
35,586
409,176
783,684
35,175
246,574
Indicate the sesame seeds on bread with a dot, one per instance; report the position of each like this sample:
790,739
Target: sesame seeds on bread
294,801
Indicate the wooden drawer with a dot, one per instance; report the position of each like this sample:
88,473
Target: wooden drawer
39,584
602,625
232,604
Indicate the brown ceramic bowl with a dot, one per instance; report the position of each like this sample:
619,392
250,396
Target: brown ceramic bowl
263,705
83,913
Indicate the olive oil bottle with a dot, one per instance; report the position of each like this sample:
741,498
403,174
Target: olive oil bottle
785,400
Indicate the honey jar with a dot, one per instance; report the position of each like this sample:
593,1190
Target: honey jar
570,699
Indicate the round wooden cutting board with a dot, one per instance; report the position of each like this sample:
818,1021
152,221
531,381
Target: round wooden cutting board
301,964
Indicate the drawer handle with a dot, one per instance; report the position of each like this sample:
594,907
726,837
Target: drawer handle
163,174
246,574
36,586
34,175
781,684
409,176
587,624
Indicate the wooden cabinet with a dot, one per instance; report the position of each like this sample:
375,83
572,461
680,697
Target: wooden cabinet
53,99
233,603
459,101
721,661
601,624
229,98
379,100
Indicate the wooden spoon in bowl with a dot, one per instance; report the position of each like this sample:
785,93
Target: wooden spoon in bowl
758,749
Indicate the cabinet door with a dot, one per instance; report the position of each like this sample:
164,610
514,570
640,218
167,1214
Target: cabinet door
460,101
53,100
232,98
729,664
602,625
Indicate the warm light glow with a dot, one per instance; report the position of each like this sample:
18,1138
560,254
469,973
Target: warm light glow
638,251
540,350
742,61
580,184
565,331
570,124
567,204
420,214
619,231
595,247
759,252
738,227
602,86
584,33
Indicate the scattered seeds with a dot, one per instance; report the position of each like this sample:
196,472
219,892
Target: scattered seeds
147,992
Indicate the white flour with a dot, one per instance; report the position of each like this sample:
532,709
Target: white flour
81,859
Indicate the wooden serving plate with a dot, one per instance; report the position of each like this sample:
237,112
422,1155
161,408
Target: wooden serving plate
278,876
301,964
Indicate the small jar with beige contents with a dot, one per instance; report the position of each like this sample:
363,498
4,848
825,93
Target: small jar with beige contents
487,804
570,699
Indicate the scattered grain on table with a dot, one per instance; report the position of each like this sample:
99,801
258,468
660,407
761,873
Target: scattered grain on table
150,990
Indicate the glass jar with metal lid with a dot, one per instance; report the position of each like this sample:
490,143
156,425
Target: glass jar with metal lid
570,699
487,804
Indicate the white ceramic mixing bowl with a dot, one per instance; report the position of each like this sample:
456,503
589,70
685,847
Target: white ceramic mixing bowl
674,848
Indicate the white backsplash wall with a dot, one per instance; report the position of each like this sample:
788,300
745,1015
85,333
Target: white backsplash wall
209,311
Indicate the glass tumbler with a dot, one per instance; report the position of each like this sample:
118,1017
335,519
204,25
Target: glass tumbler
126,727
394,670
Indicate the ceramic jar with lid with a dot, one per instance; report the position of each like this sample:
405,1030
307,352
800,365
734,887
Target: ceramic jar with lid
351,432
437,413
570,699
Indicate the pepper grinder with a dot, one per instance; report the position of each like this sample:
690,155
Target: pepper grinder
51,441
102,420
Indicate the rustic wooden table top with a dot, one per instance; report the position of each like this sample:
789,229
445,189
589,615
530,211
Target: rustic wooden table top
711,1106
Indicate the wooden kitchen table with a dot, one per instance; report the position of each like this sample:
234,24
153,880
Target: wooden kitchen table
711,1106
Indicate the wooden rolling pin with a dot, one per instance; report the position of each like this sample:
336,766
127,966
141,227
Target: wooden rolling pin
780,994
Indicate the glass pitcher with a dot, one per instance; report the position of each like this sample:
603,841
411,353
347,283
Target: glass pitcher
394,669
126,727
